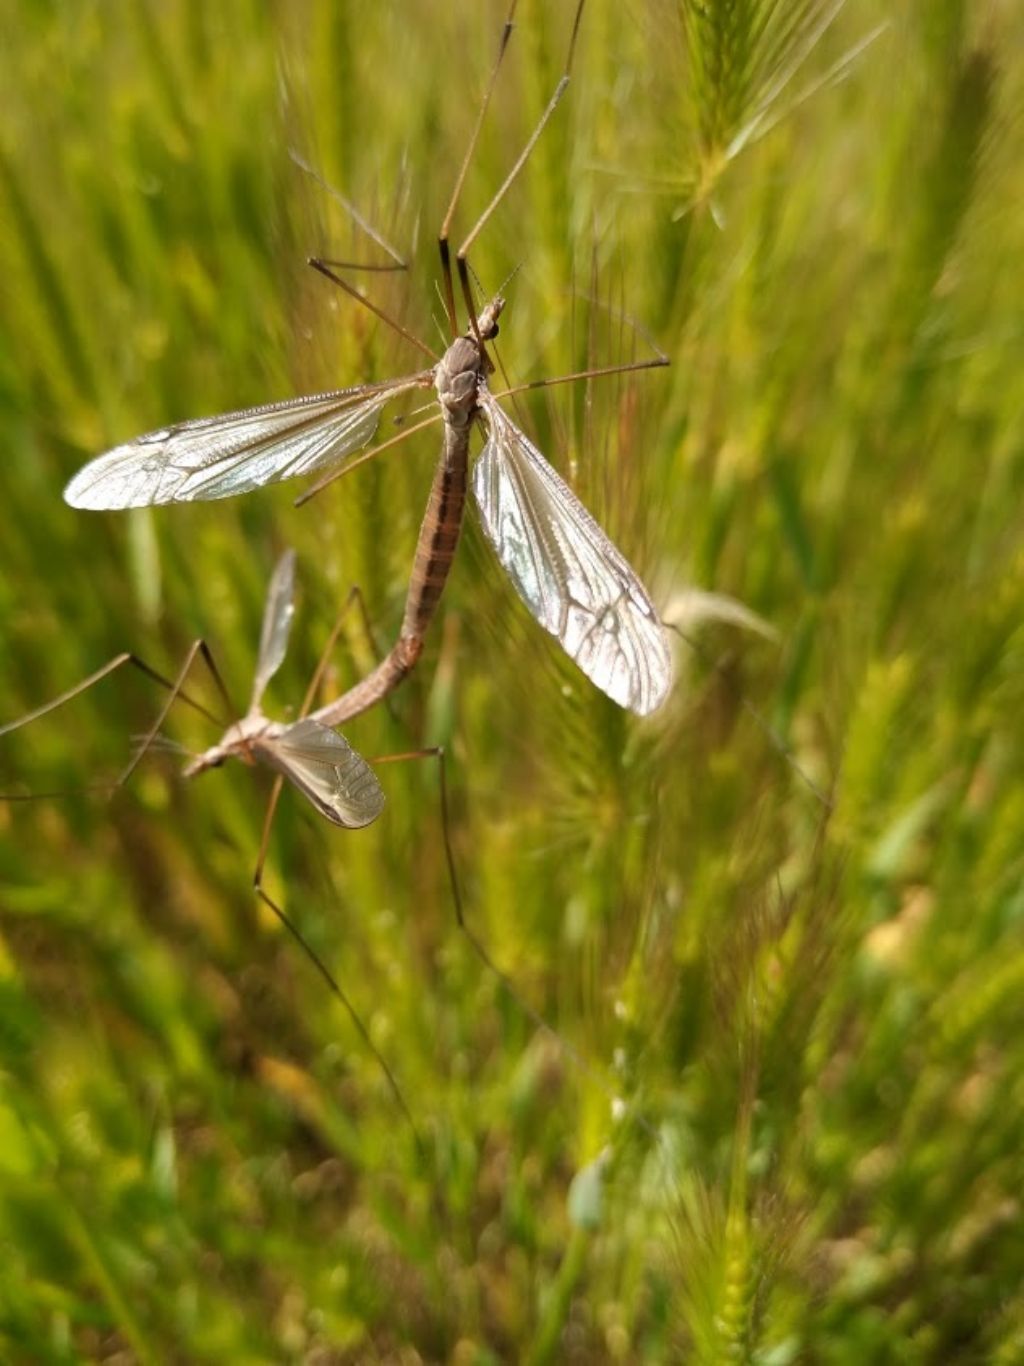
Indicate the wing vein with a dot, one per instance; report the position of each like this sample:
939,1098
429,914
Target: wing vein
217,457
576,583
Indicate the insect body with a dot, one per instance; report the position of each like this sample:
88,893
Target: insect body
315,759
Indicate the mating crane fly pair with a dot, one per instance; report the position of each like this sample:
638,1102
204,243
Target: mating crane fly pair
574,581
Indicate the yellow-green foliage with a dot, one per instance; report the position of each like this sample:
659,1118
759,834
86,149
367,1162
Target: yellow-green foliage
781,922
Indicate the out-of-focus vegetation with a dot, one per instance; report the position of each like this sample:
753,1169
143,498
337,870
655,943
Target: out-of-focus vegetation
782,921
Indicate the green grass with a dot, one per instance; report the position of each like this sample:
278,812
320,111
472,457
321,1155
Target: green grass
810,1010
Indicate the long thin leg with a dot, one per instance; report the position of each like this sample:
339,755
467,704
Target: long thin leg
371,267
520,162
624,368
320,965
324,267
327,266
198,647
436,752
354,595
653,363
537,1019
175,690
362,223
579,1060
443,235
217,677
110,667
362,459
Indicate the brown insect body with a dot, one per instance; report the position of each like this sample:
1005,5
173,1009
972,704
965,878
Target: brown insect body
457,378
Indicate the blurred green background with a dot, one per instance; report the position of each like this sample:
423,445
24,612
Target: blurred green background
781,921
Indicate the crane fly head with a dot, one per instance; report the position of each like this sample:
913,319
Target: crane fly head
488,318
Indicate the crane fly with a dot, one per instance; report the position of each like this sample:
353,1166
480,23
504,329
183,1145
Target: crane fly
317,761
573,580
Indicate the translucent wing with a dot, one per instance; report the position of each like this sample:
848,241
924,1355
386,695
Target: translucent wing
326,769
217,457
277,624
574,581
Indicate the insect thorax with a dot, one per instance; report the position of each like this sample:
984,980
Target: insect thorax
464,365
458,373
237,742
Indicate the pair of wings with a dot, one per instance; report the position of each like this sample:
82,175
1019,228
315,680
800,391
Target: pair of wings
316,760
575,582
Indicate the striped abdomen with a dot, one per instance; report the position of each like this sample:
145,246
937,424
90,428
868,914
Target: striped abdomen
435,550
439,533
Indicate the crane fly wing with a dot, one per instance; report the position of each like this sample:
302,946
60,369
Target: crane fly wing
217,457
326,769
569,574
277,624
